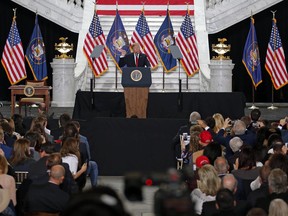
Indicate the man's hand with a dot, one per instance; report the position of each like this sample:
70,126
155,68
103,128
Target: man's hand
227,123
282,122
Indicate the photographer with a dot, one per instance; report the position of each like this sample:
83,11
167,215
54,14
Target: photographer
184,130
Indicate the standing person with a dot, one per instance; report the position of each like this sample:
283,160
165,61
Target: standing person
135,59
208,185
184,130
277,182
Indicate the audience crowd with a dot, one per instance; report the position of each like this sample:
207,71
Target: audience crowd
239,167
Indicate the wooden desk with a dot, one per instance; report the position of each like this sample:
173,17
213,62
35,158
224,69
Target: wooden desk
39,91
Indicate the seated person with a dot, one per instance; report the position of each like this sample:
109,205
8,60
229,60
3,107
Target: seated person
47,197
21,156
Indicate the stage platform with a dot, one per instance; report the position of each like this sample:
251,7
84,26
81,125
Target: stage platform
121,145
161,105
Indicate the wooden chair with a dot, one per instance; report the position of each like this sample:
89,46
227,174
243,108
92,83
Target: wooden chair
20,177
179,163
29,92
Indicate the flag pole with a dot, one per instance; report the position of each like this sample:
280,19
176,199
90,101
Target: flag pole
253,69
163,81
187,83
272,107
94,79
116,75
187,4
253,100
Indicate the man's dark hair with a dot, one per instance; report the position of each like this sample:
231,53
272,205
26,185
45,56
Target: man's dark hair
247,157
225,199
255,114
49,148
212,151
34,139
274,139
64,119
279,160
210,121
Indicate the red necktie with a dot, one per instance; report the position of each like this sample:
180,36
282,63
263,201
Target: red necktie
137,58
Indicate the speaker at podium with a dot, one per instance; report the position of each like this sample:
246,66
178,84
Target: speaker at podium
136,82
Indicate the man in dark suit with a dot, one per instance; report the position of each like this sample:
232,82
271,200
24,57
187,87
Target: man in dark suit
135,59
263,191
135,98
277,182
47,197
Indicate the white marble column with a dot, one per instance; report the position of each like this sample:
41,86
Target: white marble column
63,82
221,75
202,43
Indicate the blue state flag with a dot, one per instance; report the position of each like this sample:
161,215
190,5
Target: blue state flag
117,40
163,39
36,54
251,57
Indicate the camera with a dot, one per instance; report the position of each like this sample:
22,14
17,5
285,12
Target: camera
232,122
172,197
185,136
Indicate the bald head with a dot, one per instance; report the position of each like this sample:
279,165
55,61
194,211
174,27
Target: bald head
57,174
229,182
221,165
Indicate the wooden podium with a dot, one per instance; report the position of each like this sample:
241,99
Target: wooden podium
136,82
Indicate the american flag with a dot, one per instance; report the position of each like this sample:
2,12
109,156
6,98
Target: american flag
275,59
186,40
13,56
143,36
93,38
152,7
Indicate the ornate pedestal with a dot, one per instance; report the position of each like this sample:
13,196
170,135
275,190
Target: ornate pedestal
63,82
221,75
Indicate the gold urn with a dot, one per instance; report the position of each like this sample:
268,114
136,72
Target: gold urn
221,49
63,48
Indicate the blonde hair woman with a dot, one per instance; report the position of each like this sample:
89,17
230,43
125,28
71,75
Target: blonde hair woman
219,122
208,185
278,207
